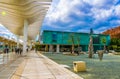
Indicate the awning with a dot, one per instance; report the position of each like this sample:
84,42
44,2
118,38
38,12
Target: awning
14,12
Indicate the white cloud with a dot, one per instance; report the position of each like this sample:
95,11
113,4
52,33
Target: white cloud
115,22
104,14
117,10
80,23
5,32
2,28
101,29
101,14
83,14
61,11
78,12
67,30
101,3
95,2
84,30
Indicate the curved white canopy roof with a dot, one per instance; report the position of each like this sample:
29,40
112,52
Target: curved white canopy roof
14,12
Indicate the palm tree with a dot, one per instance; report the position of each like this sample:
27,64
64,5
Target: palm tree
103,40
90,48
78,40
72,39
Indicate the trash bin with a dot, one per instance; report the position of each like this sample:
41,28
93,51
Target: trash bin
79,66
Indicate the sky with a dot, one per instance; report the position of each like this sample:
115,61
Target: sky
81,15
6,33
3,30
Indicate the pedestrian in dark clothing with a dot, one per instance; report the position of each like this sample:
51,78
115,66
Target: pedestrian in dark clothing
20,51
27,49
7,50
12,50
16,50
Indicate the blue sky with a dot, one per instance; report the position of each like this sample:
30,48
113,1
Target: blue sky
3,30
81,15
6,33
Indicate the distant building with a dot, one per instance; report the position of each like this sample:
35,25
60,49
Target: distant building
114,32
59,41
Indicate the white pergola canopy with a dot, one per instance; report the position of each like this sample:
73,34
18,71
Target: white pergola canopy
16,11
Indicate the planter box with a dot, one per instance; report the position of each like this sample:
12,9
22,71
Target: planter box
79,66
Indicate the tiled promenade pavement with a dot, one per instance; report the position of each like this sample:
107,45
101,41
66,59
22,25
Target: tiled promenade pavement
7,67
37,66
7,58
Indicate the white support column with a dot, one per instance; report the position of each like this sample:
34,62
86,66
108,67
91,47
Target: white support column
51,48
46,48
17,41
30,45
25,36
58,48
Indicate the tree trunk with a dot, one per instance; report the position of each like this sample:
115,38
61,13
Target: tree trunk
90,48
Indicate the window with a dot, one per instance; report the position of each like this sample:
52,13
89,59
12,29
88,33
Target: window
54,37
96,40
